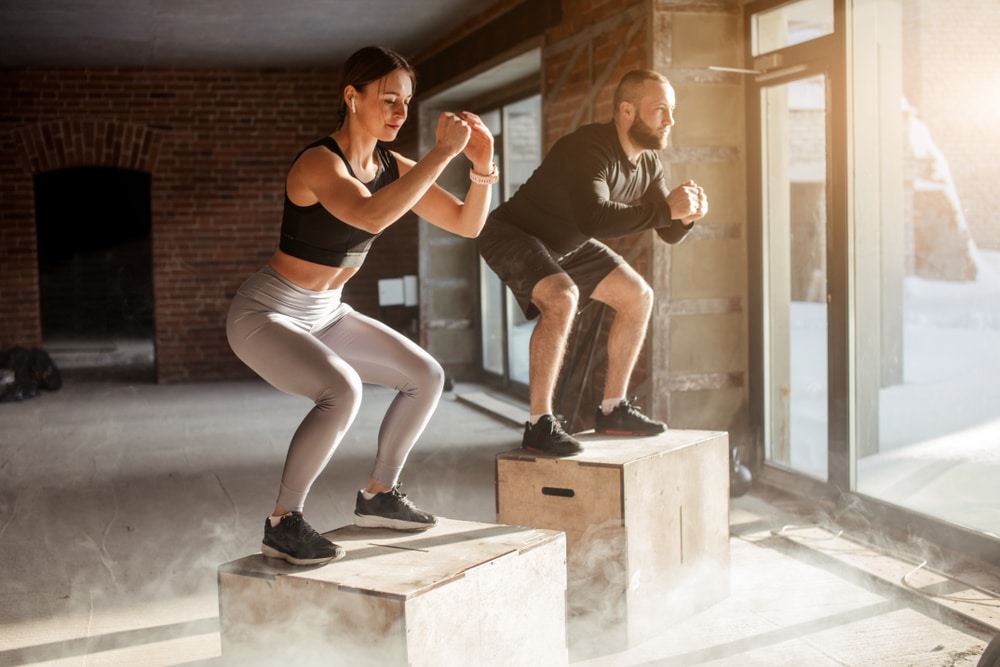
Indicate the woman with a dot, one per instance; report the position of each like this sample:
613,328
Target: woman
288,323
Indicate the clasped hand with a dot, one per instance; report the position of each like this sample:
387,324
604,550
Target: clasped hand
687,202
464,131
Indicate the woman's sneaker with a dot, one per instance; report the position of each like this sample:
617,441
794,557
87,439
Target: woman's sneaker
626,419
295,540
548,436
391,509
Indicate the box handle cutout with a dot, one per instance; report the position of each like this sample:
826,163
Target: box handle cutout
556,491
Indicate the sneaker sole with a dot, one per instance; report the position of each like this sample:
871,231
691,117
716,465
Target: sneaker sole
535,450
271,552
369,521
635,433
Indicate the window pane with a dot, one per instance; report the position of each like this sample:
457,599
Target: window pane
522,154
937,446
492,319
505,331
490,288
793,118
791,24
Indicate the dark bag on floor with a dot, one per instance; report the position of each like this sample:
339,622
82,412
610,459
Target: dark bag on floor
33,370
46,374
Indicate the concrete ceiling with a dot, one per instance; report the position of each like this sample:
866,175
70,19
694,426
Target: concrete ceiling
220,33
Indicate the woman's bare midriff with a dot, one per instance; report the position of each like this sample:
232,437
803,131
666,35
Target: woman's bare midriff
309,275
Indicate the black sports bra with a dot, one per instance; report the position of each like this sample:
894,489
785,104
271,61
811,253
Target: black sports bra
312,234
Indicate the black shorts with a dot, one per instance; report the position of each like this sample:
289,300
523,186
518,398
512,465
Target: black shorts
521,260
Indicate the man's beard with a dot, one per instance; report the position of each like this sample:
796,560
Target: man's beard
644,136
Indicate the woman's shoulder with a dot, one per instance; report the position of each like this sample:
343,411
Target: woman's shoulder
326,146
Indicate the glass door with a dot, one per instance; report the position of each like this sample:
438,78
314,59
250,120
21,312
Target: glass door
794,231
793,331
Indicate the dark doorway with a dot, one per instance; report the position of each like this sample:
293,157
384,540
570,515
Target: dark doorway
95,270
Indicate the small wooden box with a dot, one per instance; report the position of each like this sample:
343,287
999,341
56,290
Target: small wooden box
462,593
647,529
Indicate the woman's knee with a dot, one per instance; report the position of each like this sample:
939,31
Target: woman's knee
436,378
428,375
341,388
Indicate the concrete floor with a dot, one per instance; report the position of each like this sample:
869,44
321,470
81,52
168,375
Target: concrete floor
119,501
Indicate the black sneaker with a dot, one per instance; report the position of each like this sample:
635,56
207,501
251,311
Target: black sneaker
391,509
626,419
295,540
548,437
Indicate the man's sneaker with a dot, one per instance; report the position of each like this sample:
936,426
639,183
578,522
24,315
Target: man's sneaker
626,419
391,509
548,437
295,540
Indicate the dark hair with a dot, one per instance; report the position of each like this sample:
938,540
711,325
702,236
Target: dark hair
368,64
629,88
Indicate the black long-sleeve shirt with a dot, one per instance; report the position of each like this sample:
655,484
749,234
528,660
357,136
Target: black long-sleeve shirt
586,187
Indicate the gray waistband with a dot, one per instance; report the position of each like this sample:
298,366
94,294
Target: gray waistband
273,290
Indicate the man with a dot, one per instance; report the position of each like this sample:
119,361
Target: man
603,180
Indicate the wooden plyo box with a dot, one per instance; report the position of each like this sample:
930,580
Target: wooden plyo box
462,593
647,529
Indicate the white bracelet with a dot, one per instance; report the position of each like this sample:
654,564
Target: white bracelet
485,179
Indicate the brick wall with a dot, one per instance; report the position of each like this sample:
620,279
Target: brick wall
217,144
584,57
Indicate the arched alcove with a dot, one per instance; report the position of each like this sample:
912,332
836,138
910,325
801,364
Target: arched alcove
91,183
95,268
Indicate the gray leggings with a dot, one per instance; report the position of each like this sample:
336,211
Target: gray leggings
309,344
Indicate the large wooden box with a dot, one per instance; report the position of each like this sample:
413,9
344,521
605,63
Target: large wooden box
462,593
647,529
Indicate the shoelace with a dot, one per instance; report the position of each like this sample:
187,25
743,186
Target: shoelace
558,424
400,497
299,525
630,408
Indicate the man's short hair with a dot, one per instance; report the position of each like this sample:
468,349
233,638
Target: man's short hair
630,87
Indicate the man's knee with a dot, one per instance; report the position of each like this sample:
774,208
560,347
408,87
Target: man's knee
626,292
644,297
556,296
638,302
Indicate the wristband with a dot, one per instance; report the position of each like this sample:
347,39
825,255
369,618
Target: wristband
485,179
